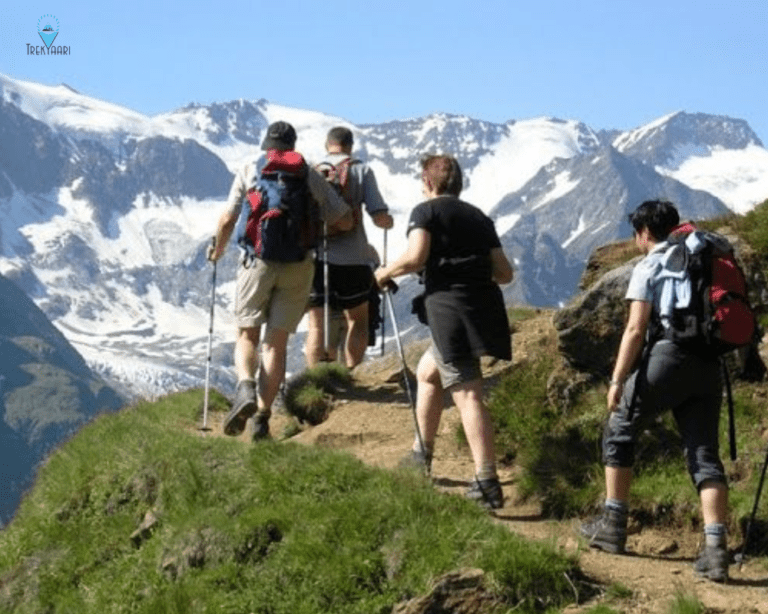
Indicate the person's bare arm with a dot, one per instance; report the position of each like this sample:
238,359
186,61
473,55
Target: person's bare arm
501,269
629,350
413,259
224,230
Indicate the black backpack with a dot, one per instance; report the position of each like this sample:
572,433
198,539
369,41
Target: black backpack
284,219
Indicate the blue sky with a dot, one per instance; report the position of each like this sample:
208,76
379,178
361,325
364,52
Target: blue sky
610,64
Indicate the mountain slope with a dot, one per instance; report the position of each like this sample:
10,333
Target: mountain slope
46,391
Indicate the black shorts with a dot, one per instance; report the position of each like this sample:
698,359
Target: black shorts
349,285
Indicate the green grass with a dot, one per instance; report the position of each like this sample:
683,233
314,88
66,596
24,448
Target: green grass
273,527
753,226
602,609
309,396
686,604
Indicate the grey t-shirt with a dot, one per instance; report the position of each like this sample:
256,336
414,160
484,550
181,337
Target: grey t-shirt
352,247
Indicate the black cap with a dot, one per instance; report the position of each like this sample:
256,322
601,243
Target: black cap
280,135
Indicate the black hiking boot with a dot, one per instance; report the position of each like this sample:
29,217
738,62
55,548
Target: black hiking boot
243,408
486,493
607,532
260,426
417,461
712,563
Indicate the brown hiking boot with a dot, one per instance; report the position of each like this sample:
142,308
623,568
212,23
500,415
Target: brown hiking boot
260,425
243,408
712,563
487,493
607,532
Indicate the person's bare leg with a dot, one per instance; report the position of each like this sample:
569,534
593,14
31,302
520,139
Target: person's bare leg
314,352
246,353
357,334
478,426
429,401
714,502
273,352
617,483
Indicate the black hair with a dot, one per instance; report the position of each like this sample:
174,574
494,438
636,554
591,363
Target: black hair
341,136
658,216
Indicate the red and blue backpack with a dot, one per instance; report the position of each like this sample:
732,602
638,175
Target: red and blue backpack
284,221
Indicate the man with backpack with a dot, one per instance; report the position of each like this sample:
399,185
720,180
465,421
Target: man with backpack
350,277
456,247
655,371
276,204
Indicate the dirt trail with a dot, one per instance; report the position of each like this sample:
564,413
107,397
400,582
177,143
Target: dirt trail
373,421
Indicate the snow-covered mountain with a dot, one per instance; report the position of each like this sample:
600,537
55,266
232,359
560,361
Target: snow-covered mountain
106,213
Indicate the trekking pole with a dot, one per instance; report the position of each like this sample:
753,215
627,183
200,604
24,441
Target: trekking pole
383,311
388,299
326,299
205,426
754,512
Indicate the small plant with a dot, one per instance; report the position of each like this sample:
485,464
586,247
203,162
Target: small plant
308,396
602,609
686,604
618,591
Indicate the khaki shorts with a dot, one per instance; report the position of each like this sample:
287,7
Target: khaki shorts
457,371
273,293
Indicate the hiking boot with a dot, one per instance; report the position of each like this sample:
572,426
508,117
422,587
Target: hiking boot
607,532
486,493
712,563
417,461
260,426
243,408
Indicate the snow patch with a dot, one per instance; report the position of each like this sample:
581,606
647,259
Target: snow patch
737,177
517,157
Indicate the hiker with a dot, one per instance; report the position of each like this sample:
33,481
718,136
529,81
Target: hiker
269,292
653,374
350,277
456,248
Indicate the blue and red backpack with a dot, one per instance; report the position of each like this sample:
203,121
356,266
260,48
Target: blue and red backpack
283,223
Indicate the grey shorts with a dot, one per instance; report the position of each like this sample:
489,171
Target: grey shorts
689,386
273,293
455,371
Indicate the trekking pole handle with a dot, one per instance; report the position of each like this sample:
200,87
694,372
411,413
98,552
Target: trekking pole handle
211,249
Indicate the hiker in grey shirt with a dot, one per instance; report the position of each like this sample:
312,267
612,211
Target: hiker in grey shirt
350,277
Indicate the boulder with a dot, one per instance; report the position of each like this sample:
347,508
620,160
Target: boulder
589,328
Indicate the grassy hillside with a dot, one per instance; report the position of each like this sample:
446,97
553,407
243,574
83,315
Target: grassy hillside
140,512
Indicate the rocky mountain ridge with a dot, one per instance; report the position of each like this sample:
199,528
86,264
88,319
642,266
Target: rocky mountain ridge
107,213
